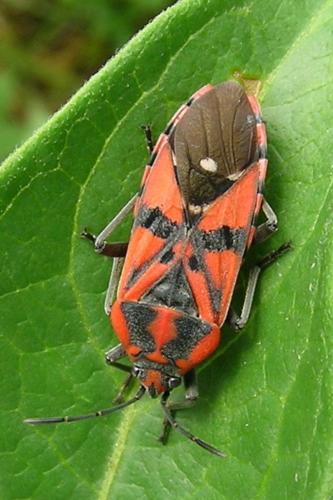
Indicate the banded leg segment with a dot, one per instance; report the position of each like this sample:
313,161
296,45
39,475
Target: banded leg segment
237,322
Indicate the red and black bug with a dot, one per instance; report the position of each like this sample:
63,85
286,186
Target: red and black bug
195,217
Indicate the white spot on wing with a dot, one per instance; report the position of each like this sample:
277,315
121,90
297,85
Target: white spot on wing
208,164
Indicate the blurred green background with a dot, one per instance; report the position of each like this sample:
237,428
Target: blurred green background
48,48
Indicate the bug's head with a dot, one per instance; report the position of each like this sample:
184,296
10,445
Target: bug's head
156,380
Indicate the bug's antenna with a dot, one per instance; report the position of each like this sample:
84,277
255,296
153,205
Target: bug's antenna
76,418
184,431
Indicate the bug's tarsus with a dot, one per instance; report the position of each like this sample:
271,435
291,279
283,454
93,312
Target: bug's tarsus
87,235
149,137
274,255
176,425
77,418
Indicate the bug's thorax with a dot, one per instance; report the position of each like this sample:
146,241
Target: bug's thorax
163,338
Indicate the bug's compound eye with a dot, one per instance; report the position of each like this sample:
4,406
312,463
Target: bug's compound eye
138,372
173,382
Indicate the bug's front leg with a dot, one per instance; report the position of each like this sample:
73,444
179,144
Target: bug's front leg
111,357
191,396
149,137
237,322
118,249
111,249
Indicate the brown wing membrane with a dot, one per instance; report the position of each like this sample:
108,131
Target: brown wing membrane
215,140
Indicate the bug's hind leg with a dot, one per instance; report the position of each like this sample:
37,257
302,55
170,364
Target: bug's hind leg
191,396
237,322
111,357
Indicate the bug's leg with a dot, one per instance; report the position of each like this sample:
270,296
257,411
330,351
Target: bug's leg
114,354
118,249
111,249
111,357
117,266
122,391
237,322
191,396
149,137
267,228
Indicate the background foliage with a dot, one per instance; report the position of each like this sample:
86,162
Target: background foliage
267,394
49,47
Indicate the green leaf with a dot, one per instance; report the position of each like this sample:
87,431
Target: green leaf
266,397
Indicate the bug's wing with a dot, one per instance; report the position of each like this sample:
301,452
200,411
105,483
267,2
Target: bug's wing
217,245
214,141
158,226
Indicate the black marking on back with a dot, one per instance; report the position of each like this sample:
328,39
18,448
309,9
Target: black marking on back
138,317
154,220
193,263
189,332
198,242
159,256
173,290
167,256
224,238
